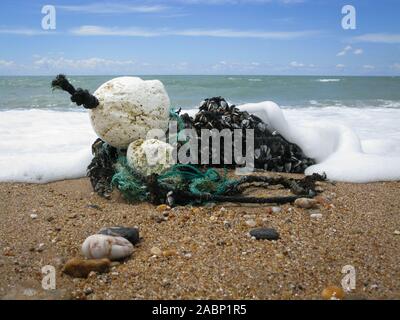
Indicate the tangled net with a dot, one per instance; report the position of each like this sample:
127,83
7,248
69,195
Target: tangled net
184,184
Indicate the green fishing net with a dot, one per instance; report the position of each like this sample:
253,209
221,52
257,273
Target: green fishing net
180,177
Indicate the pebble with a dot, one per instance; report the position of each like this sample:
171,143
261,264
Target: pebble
275,210
265,234
316,216
93,206
40,247
100,246
156,251
333,293
306,203
79,268
169,253
251,223
34,216
163,207
397,232
88,291
130,234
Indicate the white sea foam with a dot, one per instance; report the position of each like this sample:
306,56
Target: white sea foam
327,136
40,146
350,144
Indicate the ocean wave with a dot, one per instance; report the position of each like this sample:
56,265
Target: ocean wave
39,146
329,80
255,80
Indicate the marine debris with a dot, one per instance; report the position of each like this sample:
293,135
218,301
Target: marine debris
180,184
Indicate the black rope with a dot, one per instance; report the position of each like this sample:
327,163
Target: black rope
78,96
174,198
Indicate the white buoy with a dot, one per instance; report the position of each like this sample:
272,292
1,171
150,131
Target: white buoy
150,156
128,108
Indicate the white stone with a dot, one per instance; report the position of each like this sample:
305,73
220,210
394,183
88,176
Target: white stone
100,246
150,156
128,108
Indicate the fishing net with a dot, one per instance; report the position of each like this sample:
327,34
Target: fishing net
180,178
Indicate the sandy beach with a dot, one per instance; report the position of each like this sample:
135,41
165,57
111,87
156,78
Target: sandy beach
208,253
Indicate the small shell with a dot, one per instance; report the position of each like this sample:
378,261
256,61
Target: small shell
101,246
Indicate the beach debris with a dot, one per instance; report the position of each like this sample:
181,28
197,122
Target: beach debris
333,293
101,246
141,106
272,152
123,109
78,96
101,169
130,234
306,203
265,234
149,157
80,268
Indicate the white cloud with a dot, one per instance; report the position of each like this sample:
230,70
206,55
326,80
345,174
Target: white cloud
218,33
396,66
358,51
378,38
340,66
25,32
103,8
368,67
79,64
349,49
6,63
296,64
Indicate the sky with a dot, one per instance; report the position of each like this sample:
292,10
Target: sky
253,37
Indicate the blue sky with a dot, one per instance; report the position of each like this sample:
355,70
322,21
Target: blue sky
277,37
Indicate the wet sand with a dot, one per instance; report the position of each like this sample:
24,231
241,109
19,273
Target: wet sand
215,258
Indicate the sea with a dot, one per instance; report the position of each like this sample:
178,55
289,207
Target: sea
44,137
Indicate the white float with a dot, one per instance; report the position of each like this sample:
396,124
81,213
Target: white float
128,108
150,156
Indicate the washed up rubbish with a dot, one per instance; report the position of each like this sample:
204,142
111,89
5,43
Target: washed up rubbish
149,157
272,151
123,109
101,246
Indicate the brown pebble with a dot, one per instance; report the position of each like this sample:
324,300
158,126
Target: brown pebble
79,268
163,207
332,293
169,253
306,203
